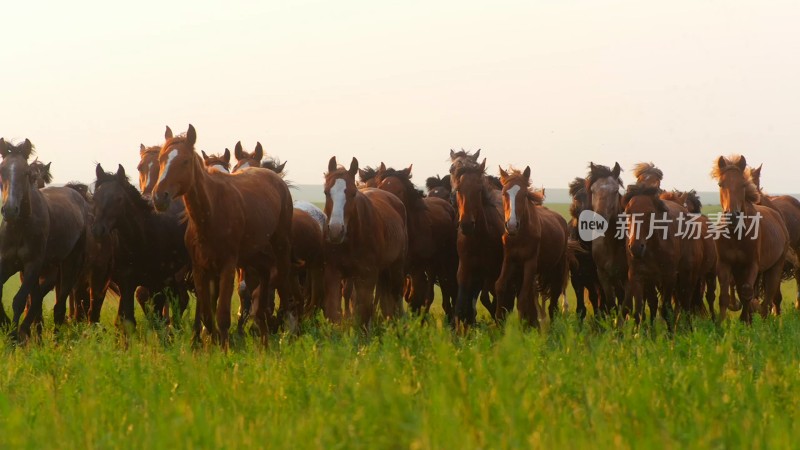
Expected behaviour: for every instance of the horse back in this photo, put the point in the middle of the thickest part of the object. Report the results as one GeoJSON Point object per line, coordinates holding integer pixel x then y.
{"type": "Point", "coordinates": [554, 235]}
{"type": "Point", "coordinates": [789, 207]}
{"type": "Point", "coordinates": [773, 237]}
{"type": "Point", "coordinates": [390, 230]}
{"type": "Point", "coordinates": [69, 219]}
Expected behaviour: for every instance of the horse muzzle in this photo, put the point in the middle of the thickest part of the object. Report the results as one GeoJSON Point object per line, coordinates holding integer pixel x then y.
{"type": "Point", "coordinates": [638, 249]}
{"type": "Point", "coordinates": [10, 212]}
{"type": "Point", "coordinates": [336, 233]}
{"type": "Point", "coordinates": [512, 228]}
{"type": "Point", "coordinates": [161, 201]}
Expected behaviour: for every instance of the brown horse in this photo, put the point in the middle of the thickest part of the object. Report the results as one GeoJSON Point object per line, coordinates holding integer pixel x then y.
{"type": "Point", "coordinates": [247, 159]}
{"type": "Point", "coordinates": [367, 177]}
{"type": "Point", "coordinates": [366, 241]}
{"type": "Point", "coordinates": [218, 162]}
{"type": "Point", "coordinates": [44, 235]}
{"type": "Point", "coordinates": [602, 189]}
{"type": "Point", "coordinates": [148, 168]}
{"type": "Point", "coordinates": [648, 175]}
{"type": "Point", "coordinates": [789, 207]}
{"type": "Point", "coordinates": [658, 255]}
{"type": "Point", "coordinates": [432, 228]}
{"type": "Point", "coordinates": [535, 244]}
{"type": "Point", "coordinates": [40, 173]}
{"type": "Point", "coordinates": [480, 240]}
{"type": "Point", "coordinates": [707, 280]}
{"type": "Point", "coordinates": [439, 187]}
{"type": "Point", "coordinates": [743, 257]}
{"type": "Point", "coordinates": [583, 273]}
{"type": "Point", "coordinates": [241, 220]}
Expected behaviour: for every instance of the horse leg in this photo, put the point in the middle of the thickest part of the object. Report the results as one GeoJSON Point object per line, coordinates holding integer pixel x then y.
{"type": "Point", "coordinates": [501, 289]}
{"type": "Point", "coordinates": [28, 287]}
{"type": "Point", "coordinates": [746, 288]}
{"type": "Point", "coordinates": [418, 289]}
{"type": "Point", "coordinates": [526, 303]}
{"type": "Point", "coordinates": [797, 284]}
{"type": "Point", "coordinates": [332, 307]}
{"type": "Point", "coordinates": [772, 287]}
{"type": "Point", "coordinates": [365, 288]}
{"type": "Point", "coordinates": [710, 290]}
{"type": "Point", "coordinates": [203, 294]}
{"type": "Point", "coordinates": [579, 288]}
{"type": "Point", "coordinates": [5, 274]}
{"type": "Point", "coordinates": [67, 279]}
{"type": "Point", "coordinates": [226, 283]}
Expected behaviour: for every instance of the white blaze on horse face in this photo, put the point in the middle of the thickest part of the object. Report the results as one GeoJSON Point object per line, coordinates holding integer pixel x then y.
{"type": "Point", "coordinates": [147, 174]}
{"type": "Point", "coordinates": [338, 197]}
{"type": "Point", "coordinates": [512, 205]}
{"type": "Point", "coordinates": [220, 168]}
{"type": "Point", "coordinates": [244, 166]}
{"type": "Point", "coordinates": [170, 158]}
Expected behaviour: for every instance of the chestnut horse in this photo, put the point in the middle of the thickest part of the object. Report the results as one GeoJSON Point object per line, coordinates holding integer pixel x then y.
{"type": "Point", "coordinates": [432, 253]}
{"type": "Point", "coordinates": [150, 250]}
{"type": "Point", "coordinates": [218, 162]}
{"type": "Point", "coordinates": [608, 251]}
{"type": "Point", "coordinates": [743, 257]}
{"type": "Point", "coordinates": [366, 177]}
{"type": "Point", "coordinates": [789, 207]}
{"type": "Point", "coordinates": [480, 241]}
{"type": "Point", "coordinates": [439, 187]}
{"type": "Point", "coordinates": [44, 235]}
{"type": "Point", "coordinates": [247, 159]}
{"type": "Point", "coordinates": [535, 244]}
{"type": "Point", "coordinates": [148, 168]}
{"type": "Point", "coordinates": [707, 280]}
{"type": "Point", "coordinates": [648, 175]}
{"type": "Point", "coordinates": [366, 241]}
{"type": "Point", "coordinates": [241, 220]}
{"type": "Point", "coordinates": [583, 273]}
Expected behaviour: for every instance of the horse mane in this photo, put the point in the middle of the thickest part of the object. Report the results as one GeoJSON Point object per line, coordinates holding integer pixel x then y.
{"type": "Point", "coordinates": [460, 154]}
{"type": "Point", "coordinates": [367, 173]}
{"type": "Point", "coordinates": [273, 164]}
{"type": "Point", "coordinates": [647, 168]}
{"type": "Point", "coordinates": [149, 150]}
{"type": "Point", "coordinates": [416, 194]}
{"type": "Point", "coordinates": [597, 172]}
{"type": "Point", "coordinates": [437, 181]}
{"type": "Point", "coordinates": [495, 181]}
{"type": "Point", "coordinates": [80, 188]}
{"type": "Point", "coordinates": [635, 190]}
{"type": "Point", "coordinates": [136, 197]}
{"type": "Point", "coordinates": [577, 186]}
{"type": "Point", "coordinates": [692, 202]}
{"type": "Point", "coordinates": [751, 191]}
{"type": "Point", "coordinates": [42, 171]}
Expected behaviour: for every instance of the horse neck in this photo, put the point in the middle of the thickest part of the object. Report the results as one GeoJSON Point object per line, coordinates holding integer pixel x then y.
{"type": "Point", "coordinates": [486, 213]}
{"type": "Point", "coordinates": [528, 216]}
{"type": "Point", "coordinates": [198, 200]}
{"type": "Point", "coordinates": [613, 223]}
{"type": "Point", "coordinates": [134, 229]}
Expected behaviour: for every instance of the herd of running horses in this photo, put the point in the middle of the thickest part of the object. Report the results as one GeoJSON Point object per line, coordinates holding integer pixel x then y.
{"type": "Point", "coordinates": [196, 224]}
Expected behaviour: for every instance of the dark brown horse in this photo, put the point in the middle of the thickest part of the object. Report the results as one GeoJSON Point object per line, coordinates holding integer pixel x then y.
{"type": "Point", "coordinates": [40, 173]}
{"type": "Point", "coordinates": [432, 228]}
{"type": "Point", "coordinates": [44, 235]}
{"type": "Point", "coordinates": [707, 280]}
{"type": "Point", "coordinates": [659, 256]}
{"type": "Point", "coordinates": [439, 187]}
{"type": "Point", "coordinates": [365, 241]}
{"type": "Point", "coordinates": [583, 273]}
{"type": "Point", "coordinates": [480, 240]}
{"type": "Point", "coordinates": [218, 162]}
{"type": "Point", "coordinates": [150, 249]}
{"type": "Point", "coordinates": [241, 220]}
{"type": "Point", "coordinates": [603, 190]}
{"type": "Point", "coordinates": [742, 255]}
{"type": "Point", "coordinates": [789, 207]}
{"type": "Point", "coordinates": [534, 245]}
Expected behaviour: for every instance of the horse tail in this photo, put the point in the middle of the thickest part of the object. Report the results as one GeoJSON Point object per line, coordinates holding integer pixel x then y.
{"type": "Point", "coordinates": [574, 248]}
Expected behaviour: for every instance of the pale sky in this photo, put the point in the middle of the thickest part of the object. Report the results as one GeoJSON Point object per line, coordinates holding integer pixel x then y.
{"type": "Point", "coordinates": [552, 84]}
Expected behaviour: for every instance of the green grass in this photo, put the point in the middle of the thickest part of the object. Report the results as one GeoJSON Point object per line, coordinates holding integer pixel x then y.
{"type": "Point", "coordinates": [408, 386]}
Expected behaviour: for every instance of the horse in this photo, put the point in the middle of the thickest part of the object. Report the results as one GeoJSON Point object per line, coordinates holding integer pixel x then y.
{"type": "Point", "coordinates": [608, 251]}
{"type": "Point", "coordinates": [439, 187]}
{"type": "Point", "coordinates": [148, 167]}
{"type": "Point", "coordinates": [480, 240]}
{"type": "Point", "coordinates": [648, 175]}
{"type": "Point", "coordinates": [218, 162]}
{"type": "Point", "coordinates": [743, 257]}
{"type": "Point", "coordinates": [366, 177]}
{"type": "Point", "coordinates": [659, 256]}
{"type": "Point", "coordinates": [234, 221]}
{"type": "Point", "coordinates": [535, 244]}
{"type": "Point", "coordinates": [44, 235]}
{"type": "Point", "coordinates": [707, 280]}
{"type": "Point", "coordinates": [150, 250]}
{"type": "Point", "coordinates": [432, 253]}
{"type": "Point", "coordinates": [583, 273]}
{"type": "Point", "coordinates": [789, 207]}
{"type": "Point", "coordinates": [366, 241]}
{"type": "Point", "coordinates": [40, 173]}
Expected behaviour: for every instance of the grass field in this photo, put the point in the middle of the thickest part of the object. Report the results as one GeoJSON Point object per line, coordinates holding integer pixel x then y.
{"type": "Point", "coordinates": [408, 386]}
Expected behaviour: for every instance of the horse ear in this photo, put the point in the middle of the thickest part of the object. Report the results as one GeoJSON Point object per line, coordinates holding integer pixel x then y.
{"type": "Point", "coordinates": [238, 151]}
{"type": "Point", "coordinates": [742, 163]}
{"type": "Point", "coordinates": [452, 154]}
{"type": "Point", "coordinates": [527, 173]}
{"type": "Point", "coordinates": [142, 149]}
{"type": "Point", "coordinates": [483, 165]}
{"type": "Point", "coordinates": [205, 157]}
{"type": "Point", "coordinates": [191, 135]}
{"type": "Point", "coordinates": [279, 169]}
{"type": "Point", "coordinates": [99, 172]}
{"type": "Point", "coordinates": [382, 168]}
{"type": "Point", "coordinates": [407, 171]}
{"type": "Point", "coordinates": [227, 156]}
{"type": "Point", "coordinates": [503, 175]}
{"type": "Point", "coordinates": [332, 165]}
{"type": "Point", "coordinates": [758, 170]}
{"type": "Point", "coordinates": [47, 166]}
{"type": "Point", "coordinates": [120, 172]}
{"type": "Point", "coordinates": [27, 148]}
{"type": "Point", "coordinates": [168, 133]}
{"type": "Point", "coordinates": [476, 155]}
{"type": "Point", "coordinates": [4, 148]}
{"type": "Point", "coordinates": [721, 163]}
{"type": "Point", "coordinates": [354, 167]}
{"type": "Point", "coordinates": [259, 153]}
